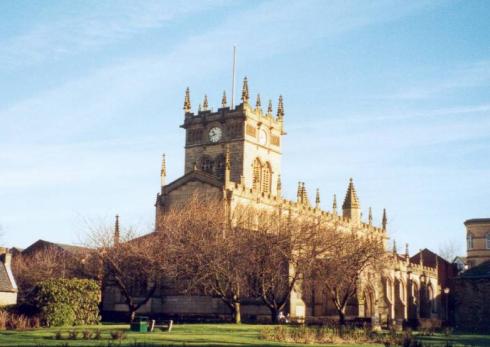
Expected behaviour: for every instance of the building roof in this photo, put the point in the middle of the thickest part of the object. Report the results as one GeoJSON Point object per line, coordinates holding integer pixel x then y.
{"type": "Point", "coordinates": [477, 221]}
{"type": "Point", "coordinates": [46, 244]}
{"type": "Point", "coordinates": [428, 258]}
{"type": "Point", "coordinates": [6, 279]}
{"type": "Point", "coordinates": [479, 271]}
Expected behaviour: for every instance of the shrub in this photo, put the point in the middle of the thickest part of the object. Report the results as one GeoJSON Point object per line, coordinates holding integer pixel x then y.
{"type": "Point", "coordinates": [14, 321]}
{"type": "Point", "coordinates": [58, 314]}
{"type": "Point", "coordinates": [58, 335]}
{"type": "Point", "coordinates": [118, 335]}
{"type": "Point", "coordinates": [73, 334]}
{"type": "Point", "coordinates": [97, 334]}
{"type": "Point", "coordinates": [87, 334]}
{"type": "Point", "coordinates": [67, 301]}
{"type": "Point", "coordinates": [3, 319]}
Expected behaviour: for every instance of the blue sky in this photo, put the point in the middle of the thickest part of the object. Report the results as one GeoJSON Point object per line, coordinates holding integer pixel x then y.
{"type": "Point", "coordinates": [392, 93]}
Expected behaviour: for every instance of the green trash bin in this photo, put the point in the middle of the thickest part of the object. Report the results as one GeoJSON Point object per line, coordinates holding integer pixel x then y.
{"type": "Point", "coordinates": [140, 324]}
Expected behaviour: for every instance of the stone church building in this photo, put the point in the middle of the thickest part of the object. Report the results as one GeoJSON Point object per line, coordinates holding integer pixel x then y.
{"type": "Point", "coordinates": [234, 153]}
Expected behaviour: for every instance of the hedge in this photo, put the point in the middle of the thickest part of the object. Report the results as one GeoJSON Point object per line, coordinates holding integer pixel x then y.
{"type": "Point", "coordinates": [68, 301]}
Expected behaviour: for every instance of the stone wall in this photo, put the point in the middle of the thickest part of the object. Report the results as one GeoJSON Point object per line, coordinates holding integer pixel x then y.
{"type": "Point", "coordinates": [7, 298]}
{"type": "Point", "coordinates": [472, 304]}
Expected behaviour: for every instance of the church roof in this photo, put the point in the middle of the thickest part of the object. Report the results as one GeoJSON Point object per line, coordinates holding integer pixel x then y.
{"type": "Point", "coordinates": [351, 200]}
{"type": "Point", "coordinates": [196, 175]}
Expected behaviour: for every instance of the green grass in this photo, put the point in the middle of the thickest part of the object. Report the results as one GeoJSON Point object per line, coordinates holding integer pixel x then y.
{"type": "Point", "coordinates": [192, 335]}
{"type": "Point", "coordinates": [456, 340]}
{"type": "Point", "coordinates": [181, 335]}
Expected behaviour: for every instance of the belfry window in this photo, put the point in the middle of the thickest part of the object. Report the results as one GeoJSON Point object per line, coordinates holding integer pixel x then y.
{"type": "Point", "coordinates": [487, 239]}
{"type": "Point", "coordinates": [469, 241]}
{"type": "Point", "coordinates": [207, 164]}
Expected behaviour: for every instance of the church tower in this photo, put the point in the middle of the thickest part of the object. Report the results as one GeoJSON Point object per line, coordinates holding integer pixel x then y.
{"type": "Point", "coordinates": [252, 135]}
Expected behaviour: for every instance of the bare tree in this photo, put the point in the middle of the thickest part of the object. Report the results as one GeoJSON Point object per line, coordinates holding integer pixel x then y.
{"type": "Point", "coordinates": [135, 265]}
{"type": "Point", "coordinates": [339, 267]}
{"type": "Point", "coordinates": [211, 256]}
{"type": "Point", "coordinates": [280, 253]}
{"type": "Point", "coordinates": [46, 263]}
{"type": "Point", "coordinates": [449, 250]}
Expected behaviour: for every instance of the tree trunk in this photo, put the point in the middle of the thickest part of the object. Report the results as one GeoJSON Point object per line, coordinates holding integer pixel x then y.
{"type": "Point", "coordinates": [237, 316]}
{"type": "Point", "coordinates": [274, 315]}
{"type": "Point", "coordinates": [341, 317]}
{"type": "Point", "coordinates": [132, 313]}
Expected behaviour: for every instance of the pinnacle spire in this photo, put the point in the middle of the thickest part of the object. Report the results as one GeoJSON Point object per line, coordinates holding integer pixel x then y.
{"type": "Point", "coordinates": [351, 201]}
{"type": "Point", "coordinates": [384, 220]}
{"type": "Point", "coordinates": [227, 164]}
{"type": "Point", "coordinates": [187, 101]}
{"type": "Point", "coordinates": [280, 108]}
{"type": "Point", "coordinates": [304, 194]}
{"type": "Point", "coordinates": [334, 204]}
{"type": "Point", "coordinates": [279, 185]}
{"type": "Point", "coordinates": [199, 109]}
{"type": "Point", "coordinates": [407, 254]}
{"type": "Point", "coordinates": [258, 103]}
{"type": "Point", "coordinates": [245, 95]}
{"type": "Point", "coordinates": [163, 171]}
{"type": "Point", "coordinates": [394, 247]}
{"type": "Point", "coordinates": [269, 107]}
{"type": "Point", "coordinates": [117, 233]}
{"type": "Point", "coordinates": [205, 103]}
{"type": "Point", "coordinates": [317, 198]}
{"type": "Point", "coordinates": [370, 216]}
{"type": "Point", "coordinates": [299, 192]}
{"type": "Point", "coordinates": [223, 100]}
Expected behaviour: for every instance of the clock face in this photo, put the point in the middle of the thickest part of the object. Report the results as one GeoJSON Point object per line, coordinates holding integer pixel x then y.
{"type": "Point", "coordinates": [215, 134]}
{"type": "Point", "coordinates": [262, 137]}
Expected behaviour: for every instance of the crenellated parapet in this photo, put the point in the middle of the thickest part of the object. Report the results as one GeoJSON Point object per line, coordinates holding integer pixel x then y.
{"type": "Point", "coordinates": [241, 191]}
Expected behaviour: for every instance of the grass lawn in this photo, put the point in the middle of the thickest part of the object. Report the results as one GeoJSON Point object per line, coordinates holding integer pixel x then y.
{"type": "Point", "coordinates": [456, 340]}
{"type": "Point", "coordinates": [191, 335]}
{"type": "Point", "coordinates": [181, 335]}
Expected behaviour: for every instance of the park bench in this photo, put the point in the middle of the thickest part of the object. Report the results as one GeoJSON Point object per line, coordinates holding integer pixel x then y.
{"type": "Point", "coordinates": [165, 326]}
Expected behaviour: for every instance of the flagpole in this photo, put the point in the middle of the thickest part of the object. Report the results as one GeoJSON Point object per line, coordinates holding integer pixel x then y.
{"type": "Point", "coordinates": [233, 79]}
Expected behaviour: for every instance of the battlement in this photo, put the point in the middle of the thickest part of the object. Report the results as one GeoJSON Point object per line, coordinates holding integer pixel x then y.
{"type": "Point", "coordinates": [242, 110]}
{"type": "Point", "coordinates": [299, 207]}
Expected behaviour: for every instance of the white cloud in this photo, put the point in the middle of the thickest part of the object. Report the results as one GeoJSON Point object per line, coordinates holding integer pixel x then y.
{"type": "Point", "coordinates": [94, 25]}
{"type": "Point", "coordinates": [460, 77]}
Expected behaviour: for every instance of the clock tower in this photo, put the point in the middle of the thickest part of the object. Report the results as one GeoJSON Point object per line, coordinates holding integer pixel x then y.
{"type": "Point", "coordinates": [252, 136]}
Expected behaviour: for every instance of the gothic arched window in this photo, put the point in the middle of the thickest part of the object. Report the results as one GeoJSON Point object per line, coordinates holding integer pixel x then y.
{"type": "Point", "coordinates": [207, 164]}
{"type": "Point", "coordinates": [266, 178]}
{"type": "Point", "coordinates": [487, 238]}
{"type": "Point", "coordinates": [432, 301]}
{"type": "Point", "coordinates": [469, 241]}
{"type": "Point", "coordinates": [257, 174]}
{"type": "Point", "coordinates": [220, 166]}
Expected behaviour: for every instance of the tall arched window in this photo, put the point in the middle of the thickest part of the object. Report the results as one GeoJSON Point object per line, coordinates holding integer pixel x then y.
{"type": "Point", "coordinates": [432, 301]}
{"type": "Point", "coordinates": [487, 238]}
{"type": "Point", "coordinates": [220, 166]}
{"type": "Point", "coordinates": [469, 241]}
{"type": "Point", "coordinates": [257, 174]}
{"type": "Point", "coordinates": [266, 178]}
